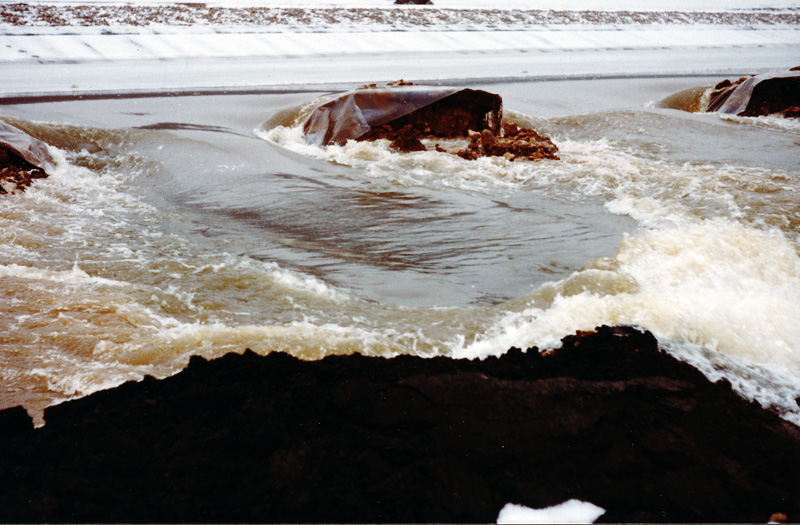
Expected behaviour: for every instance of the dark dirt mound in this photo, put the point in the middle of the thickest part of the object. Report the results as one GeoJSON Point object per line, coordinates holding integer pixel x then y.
{"type": "Point", "coordinates": [607, 418]}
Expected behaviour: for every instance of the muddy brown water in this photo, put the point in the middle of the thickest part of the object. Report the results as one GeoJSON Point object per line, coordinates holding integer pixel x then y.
{"type": "Point", "coordinates": [181, 225]}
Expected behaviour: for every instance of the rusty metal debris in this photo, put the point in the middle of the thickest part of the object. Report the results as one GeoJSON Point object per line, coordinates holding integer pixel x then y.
{"type": "Point", "coordinates": [376, 112]}
{"type": "Point", "coordinates": [753, 96]}
{"type": "Point", "coordinates": [407, 114]}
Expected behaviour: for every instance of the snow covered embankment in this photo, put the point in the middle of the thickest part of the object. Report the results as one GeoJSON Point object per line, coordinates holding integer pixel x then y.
{"type": "Point", "coordinates": [153, 47]}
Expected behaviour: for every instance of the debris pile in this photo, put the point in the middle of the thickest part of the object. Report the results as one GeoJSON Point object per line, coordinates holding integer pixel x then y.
{"type": "Point", "coordinates": [371, 112]}
{"type": "Point", "coordinates": [22, 159]}
{"type": "Point", "coordinates": [515, 144]}
{"type": "Point", "coordinates": [407, 114]}
{"type": "Point", "coordinates": [758, 95]}
{"type": "Point", "coordinates": [16, 174]}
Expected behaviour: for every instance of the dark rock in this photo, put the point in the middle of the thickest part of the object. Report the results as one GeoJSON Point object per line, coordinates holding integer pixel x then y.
{"type": "Point", "coordinates": [724, 84]}
{"type": "Point", "coordinates": [773, 96]}
{"type": "Point", "coordinates": [510, 128]}
{"type": "Point", "coordinates": [607, 418]}
{"type": "Point", "coordinates": [407, 141]}
{"type": "Point", "coordinates": [15, 173]}
{"type": "Point", "coordinates": [488, 139]}
{"type": "Point", "coordinates": [792, 112]}
{"type": "Point", "coordinates": [722, 91]}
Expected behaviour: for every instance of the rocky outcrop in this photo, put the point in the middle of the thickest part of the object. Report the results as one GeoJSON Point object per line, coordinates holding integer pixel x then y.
{"type": "Point", "coordinates": [607, 418]}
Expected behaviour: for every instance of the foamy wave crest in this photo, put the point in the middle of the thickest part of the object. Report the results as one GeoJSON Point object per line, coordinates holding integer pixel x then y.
{"type": "Point", "coordinates": [684, 283]}
{"type": "Point", "coordinates": [653, 192]}
{"type": "Point", "coordinates": [658, 193]}
{"type": "Point", "coordinates": [774, 387]}
{"type": "Point", "coordinates": [715, 285]}
{"type": "Point", "coordinates": [77, 379]}
{"type": "Point", "coordinates": [172, 346]}
{"type": "Point", "coordinates": [425, 168]}
{"type": "Point", "coordinates": [768, 121]}
{"type": "Point", "coordinates": [291, 138]}
{"type": "Point", "coordinates": [266, 278]}
{"type": "Point", "coordinates": [295, 282]}
{"type": "Point", "coordinates": [75, 276]}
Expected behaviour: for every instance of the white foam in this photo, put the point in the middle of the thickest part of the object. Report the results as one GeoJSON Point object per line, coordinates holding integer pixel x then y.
{"type": "Point", "coordinates": [655, 193]}
{"type": "Point", "coordinates": [270, 275]}
{"type": "Point", "coordinates": [295, 283]}
{"type": "Point", "coordinates": [727, 292]}
{"type": "Point", "coordinates": [767, 121]}
{"type": "Point", "coordinates": [715, 283]}
{"type": "Point", "coordinates": [74, 276]}
{"type": "Point", "coordinates": [572, 511]}
{"type": "Point", "coordinates": [425, 168]}
{"type": "Point", "coordinates": [172, 346]}
{"type": "Point", "coordinates": [772, 386]}
{"type": "Point", "coordinates": [72, 378]}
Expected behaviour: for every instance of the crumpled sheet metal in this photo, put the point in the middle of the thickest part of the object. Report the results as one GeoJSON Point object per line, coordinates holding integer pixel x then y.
{"type": "Point", "coordinates": [23, 145]}
{"type": "Point", "coordinates": [354, 113]}
{"type": "Point", "coordinates": [738, 97]}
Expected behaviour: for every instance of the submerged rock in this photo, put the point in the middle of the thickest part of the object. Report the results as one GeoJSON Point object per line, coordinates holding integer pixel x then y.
{"type": "Point", "coordinates": [407, 140]}
{"type": "Point", "coordinates": [607, 418]}
{"type": "Point", "coordinates": [22, 159]}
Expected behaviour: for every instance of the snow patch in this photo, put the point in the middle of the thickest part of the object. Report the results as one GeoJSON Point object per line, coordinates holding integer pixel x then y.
{"type": "Point", "coordinates": [572, 511]}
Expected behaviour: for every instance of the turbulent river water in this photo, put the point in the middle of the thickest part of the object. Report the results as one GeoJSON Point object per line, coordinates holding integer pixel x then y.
{"type": "Point", "coordinates": [183, 225]}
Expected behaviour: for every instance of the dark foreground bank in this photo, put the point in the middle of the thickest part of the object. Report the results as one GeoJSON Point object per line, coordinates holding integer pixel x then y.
{"type": "Point", "coordinates": [607, 418]}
